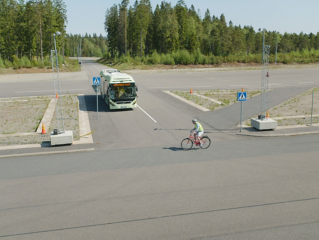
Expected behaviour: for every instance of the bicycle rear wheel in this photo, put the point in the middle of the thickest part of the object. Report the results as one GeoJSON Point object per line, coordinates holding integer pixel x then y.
{"type": "Point", "coordinates": [205, 142]}
{"type": "Point", "coordinates": [187, 144]}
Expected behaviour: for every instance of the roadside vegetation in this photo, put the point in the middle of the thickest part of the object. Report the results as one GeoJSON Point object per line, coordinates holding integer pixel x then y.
{"type": "Point", "coordinates": [183, 57]}
{"type": "Point", "coordinates": [25, 65]}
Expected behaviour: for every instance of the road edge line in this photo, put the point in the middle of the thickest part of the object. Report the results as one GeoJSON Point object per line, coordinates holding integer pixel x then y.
{"type": "Point", "coordinates": [47, 153]}
{"type": "Point", "coordinates": [187, 101]}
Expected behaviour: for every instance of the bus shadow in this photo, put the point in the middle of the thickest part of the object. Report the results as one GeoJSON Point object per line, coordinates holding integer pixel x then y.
{"type": "Point", "coordinates": [91, 103]}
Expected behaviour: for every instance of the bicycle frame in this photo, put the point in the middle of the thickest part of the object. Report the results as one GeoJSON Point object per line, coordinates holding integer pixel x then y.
{"type": "Point", "coordinates": [193, 139]}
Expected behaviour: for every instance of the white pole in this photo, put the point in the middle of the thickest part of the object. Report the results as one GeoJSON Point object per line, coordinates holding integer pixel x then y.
{"type": "Point", "coordinates": [241, 117]}
{"type": "Point", "coordinates": [313, 92]}
{"type": "Point", "coordinates": [97, 101]}
{"type": "Point", "coordinates": [276, 50]}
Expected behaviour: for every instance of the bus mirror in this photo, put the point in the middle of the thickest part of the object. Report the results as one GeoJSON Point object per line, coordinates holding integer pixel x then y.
{"type": "Point", "coordinates": [136, 88]}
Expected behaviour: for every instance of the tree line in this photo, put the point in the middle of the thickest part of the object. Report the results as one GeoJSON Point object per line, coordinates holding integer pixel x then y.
{"type": "Point", "coordinates": [139, 31]}
{"type": "Point", "coordinates": [27, 28]}
{"type": "Point", "coordinates": [91, 46]}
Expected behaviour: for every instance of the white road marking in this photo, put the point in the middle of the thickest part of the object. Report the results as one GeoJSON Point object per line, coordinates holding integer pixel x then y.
{"type": "Point", "coordinates": [304, 82]}
{"type": "Point", "coordinates": [96, 67]}
{"type": "Point", "coordinates": [146, 113]}
{"type": "Point", "coordinates": [184, 87]}
{"type": "Point", "coordinates": [275, 84]}
{"type": "Point", "coordinates": [52, 91]}
{"type": "Point", "coordinates": [86, 71]}
{"type": "Point", "coordinates": [187, 101]}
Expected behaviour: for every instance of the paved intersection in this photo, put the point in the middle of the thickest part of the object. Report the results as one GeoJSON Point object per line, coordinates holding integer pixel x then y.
{"type": "Point", "coordinates": [138, 184]}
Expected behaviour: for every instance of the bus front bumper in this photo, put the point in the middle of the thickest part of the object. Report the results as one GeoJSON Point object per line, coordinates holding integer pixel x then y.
{"type": "Point", "coordinates": [122, 105]}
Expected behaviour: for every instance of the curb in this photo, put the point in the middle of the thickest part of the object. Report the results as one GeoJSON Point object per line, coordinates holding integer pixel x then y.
{"type": "Point", "coordinates": [276, 135]}
{"type": "Point", "coordinates": [47, 153]}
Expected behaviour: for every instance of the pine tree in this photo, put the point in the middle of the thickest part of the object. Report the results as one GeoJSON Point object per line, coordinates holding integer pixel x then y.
{"type": "Point", "coordinates": [181, 13]}
{"type": "Point", "coordinates": [111, 27]}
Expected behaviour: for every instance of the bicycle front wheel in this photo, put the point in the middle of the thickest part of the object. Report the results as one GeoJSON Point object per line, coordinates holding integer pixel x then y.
{"type": "Point", "coordinates": [187, 144]}
{"type": "Point", "coordinates": [205, 142]}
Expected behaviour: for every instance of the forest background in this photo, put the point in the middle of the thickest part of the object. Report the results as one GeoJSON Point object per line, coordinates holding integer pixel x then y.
{"type": "Point", "coordinates": [137, 34]}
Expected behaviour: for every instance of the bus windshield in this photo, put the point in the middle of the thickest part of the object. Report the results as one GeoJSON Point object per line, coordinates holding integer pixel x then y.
{"type": "Point", "coordinates": [123, 90]}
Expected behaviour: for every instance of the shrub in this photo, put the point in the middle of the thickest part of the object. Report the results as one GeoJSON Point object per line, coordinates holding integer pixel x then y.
{"type": "Point", "coordinates": [198, 57]}
{"type": "Point", "coordinates": [26, 62]}
{"type": "Point", "coordinates": [167, 59]}
{"type": "Point", "coordinates": [22, 63]}
{"type": "Point", "coordinates": [145, 59]}
{"type": "Point", "coordinates": [286, 59]}
{"type": "Point", "coordinates": [1, 63]}
{"type": "Point", "coordinates": [205, 60]}
{"type": "Point", "coordinates": [8, 64]}
{"type": "Point", "coordinates": [47, 62]}
{"type": "Point", "coordinates": [34, 63]}
{"type": "Point", "coordinates": [124, 59]}
{"type": "Point", "coordinates": [184, 57]}
{"type": "Point", "coordinates": [271, 58]}
{"type": "Point", "coordinates": [216, 60]}
{"type": "Point", "coordinates": [60, 59]}
{"type": "Point", "coordinates": [137, 60]}
{"type": "Point", "coordinates": [257, 58]}
{"type": "Point", "coordinates": [213, 60]}
{"type": "Point", "coordinates": [16, 62]}
{"type": "Point", "coordinates": [155, 58]}
{"type": "Point", "coordinates": [40, 64]}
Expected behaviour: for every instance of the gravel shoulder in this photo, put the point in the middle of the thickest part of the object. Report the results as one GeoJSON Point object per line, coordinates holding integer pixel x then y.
{"type": "Point", "coordinates": [22, 117]}
{"type": "Point", "coordinates": [295, 111]}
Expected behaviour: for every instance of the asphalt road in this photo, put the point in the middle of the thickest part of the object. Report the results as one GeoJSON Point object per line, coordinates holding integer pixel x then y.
{"type": "Point", "coordinates": [138, 184]}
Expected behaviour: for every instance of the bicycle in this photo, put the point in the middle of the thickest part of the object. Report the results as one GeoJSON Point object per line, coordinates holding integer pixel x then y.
{"type": "Point", "coordinates": [187, 143]}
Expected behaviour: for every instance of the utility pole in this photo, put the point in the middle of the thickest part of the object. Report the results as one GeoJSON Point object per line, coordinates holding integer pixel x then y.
{"type": "Point", "coordinates": [264, 78]}
{"type": "Point", "coordinates": [57, 90]}
{"type": "Point", "coordinates": [125, 34]}
{"type": "Point", "coordinates": [276, 50]}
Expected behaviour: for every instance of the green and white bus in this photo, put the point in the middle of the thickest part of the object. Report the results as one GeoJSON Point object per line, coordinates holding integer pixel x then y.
{"type": "Point", "coordinates": [118, 89]}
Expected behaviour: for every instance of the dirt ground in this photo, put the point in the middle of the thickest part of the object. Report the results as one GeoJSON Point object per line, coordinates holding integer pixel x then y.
{"type": "Point", "coordinates": [227, 97]}
{"type": "Point", "coordinates": [296, 111]}
{"type": "Point", "coordinates": [20, 118]}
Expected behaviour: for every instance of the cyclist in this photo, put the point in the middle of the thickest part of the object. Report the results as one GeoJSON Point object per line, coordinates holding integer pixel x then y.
{"type": "Point", "coordinates": [199, 130]}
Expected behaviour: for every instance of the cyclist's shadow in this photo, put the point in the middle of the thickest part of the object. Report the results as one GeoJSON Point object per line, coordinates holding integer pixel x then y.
{"type": "Point", "coordinates": [175, 149]}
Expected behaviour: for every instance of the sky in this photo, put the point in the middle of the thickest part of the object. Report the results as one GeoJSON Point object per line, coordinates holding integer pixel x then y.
{"type": "Point", "coordinates": [291, 16]}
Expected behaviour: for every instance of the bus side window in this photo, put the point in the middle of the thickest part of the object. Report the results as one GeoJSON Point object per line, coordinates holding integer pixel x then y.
{"type": "Point", "coordinates": [106, 87]}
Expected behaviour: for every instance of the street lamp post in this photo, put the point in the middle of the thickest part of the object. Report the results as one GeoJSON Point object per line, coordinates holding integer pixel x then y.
{"type": "Point", "coordinates": [57, 90]}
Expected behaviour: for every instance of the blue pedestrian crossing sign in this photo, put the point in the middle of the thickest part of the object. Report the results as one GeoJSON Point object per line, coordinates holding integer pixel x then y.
{"type": "Point", "coordinates": [241, 96]}
{"type": "Point", "coordinates": [96, 81]}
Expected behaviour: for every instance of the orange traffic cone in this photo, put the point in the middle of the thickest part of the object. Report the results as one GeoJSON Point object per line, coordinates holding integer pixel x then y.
{"type": "Point", "coordinates": [191, 90]}
{"type": "Point", "coordinates": [56, 95]}
{"type": "Point", "coordinates": [267, 115]}
{"type": "Point", "coordinates": [43, 129]}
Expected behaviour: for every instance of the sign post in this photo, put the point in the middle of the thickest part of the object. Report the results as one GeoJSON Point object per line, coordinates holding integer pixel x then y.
{"type": "Point", "coordinates": [242, 97]}
{"type": "Point", "coordinates": [97, 84]}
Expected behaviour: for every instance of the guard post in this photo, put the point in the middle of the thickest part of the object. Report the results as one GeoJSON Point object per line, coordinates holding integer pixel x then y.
{"type": "Point", "coordinates": [242, 97]}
